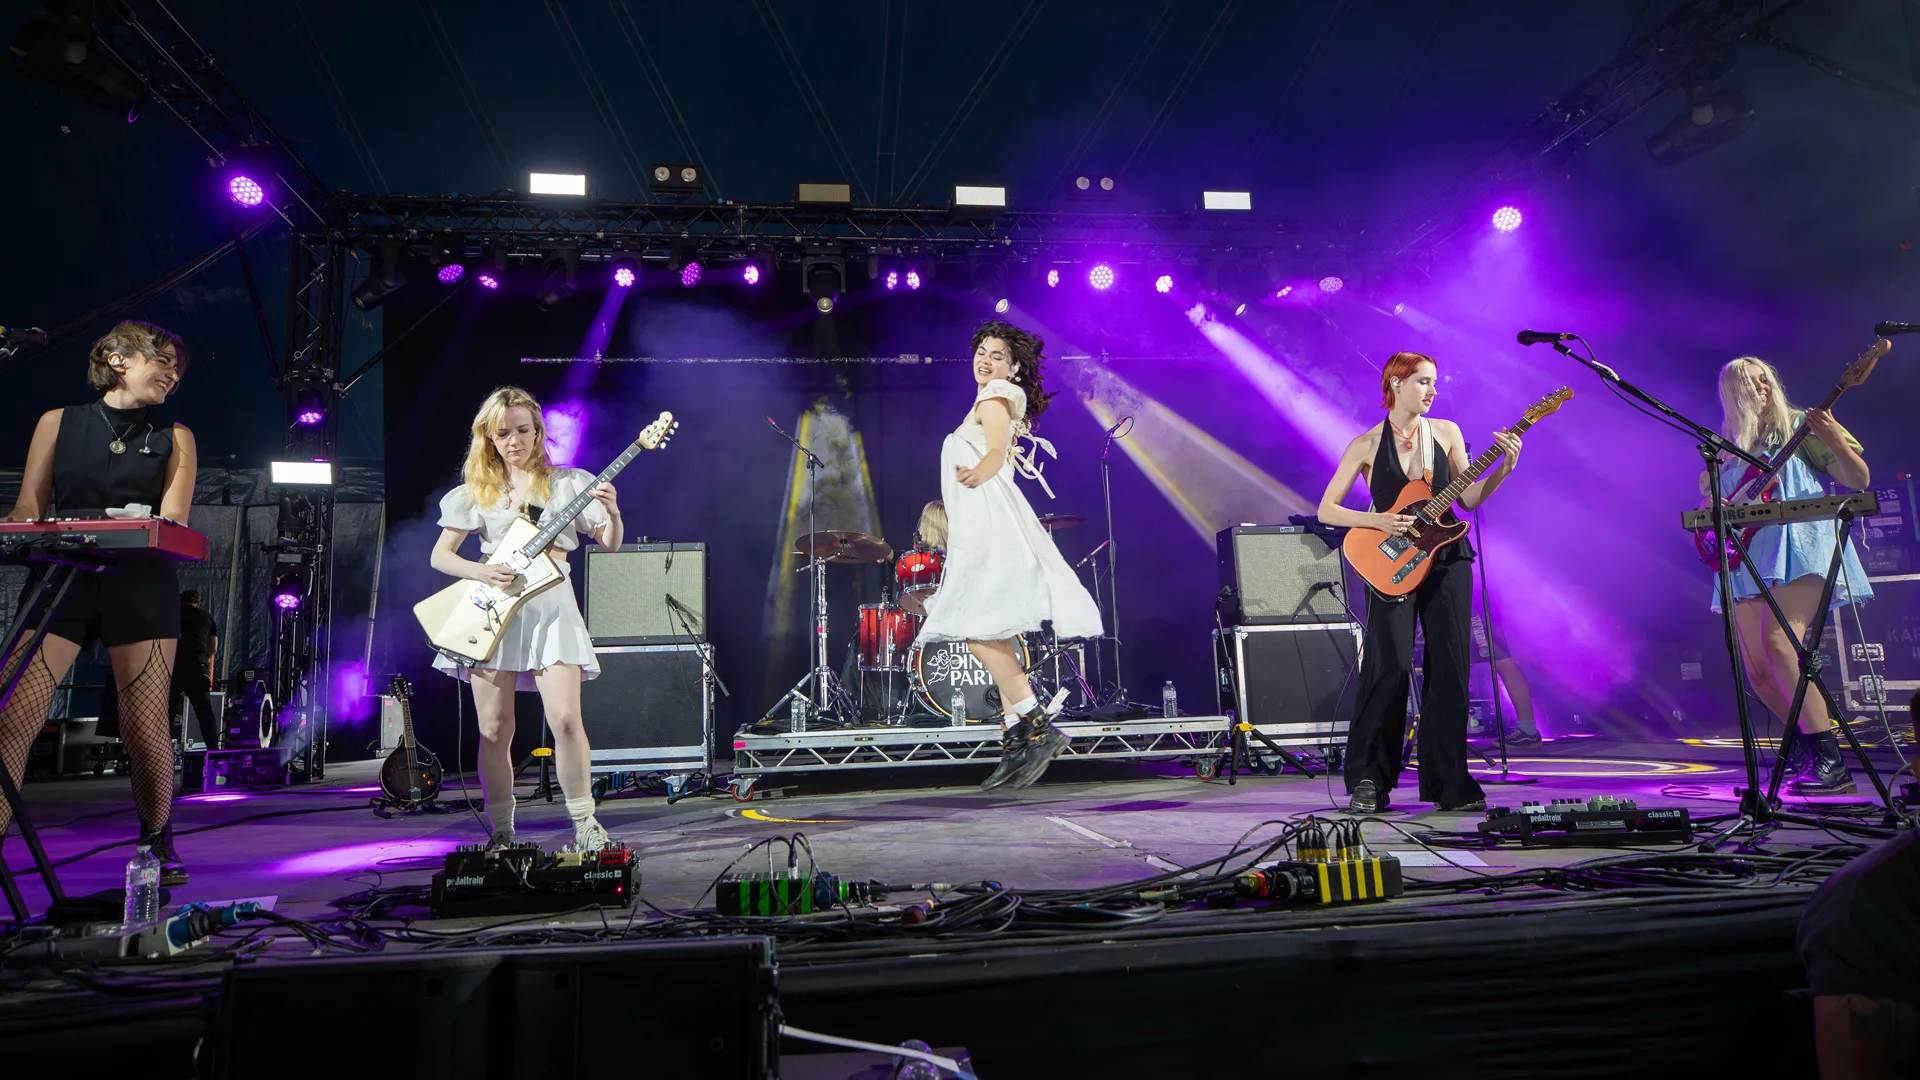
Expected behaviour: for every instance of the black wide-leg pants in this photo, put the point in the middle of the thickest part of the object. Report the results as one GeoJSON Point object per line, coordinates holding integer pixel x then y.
{"type": "Point", "coordinates": [1444, 605]}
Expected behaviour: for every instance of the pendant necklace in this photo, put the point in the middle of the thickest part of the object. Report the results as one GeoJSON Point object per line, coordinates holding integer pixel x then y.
{"type": "Point", "coordinates": [1405, 437]}
{"type": "Point", "coordinates": [119, 443]}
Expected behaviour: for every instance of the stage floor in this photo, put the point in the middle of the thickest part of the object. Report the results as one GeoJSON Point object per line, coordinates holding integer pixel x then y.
{"type": "Point", "coordinates": [1088, 823]}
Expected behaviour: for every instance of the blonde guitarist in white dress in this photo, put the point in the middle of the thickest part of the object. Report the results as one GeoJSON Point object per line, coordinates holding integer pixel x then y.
{"type": "Point", "coordinates": [546, 646]}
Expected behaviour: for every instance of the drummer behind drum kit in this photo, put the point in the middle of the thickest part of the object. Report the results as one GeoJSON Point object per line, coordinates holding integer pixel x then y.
{"type": "Point", "coordinates": [885, 644]}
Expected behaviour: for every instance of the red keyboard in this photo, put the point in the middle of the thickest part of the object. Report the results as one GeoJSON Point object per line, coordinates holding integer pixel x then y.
{"type": "Point", "coordinates": [101, 538]}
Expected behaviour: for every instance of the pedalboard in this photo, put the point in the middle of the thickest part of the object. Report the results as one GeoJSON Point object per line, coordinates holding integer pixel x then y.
{"type": "Point", "coordinates": [1599, 822]}
{"type": "Point", "coordinates": [791, 894]}
{"type": "Point", "coordinates": [524, 880]}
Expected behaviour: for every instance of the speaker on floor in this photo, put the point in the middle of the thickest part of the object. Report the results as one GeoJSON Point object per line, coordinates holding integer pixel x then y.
{"type": "Point", "coordinates": [1281, 574]}
{"type": "Point", "coordinates": [1295, 683]}
{"type": "Point", "coordinates": [647, 594]}
{"type": "Point", "coordinates": [650, 708]}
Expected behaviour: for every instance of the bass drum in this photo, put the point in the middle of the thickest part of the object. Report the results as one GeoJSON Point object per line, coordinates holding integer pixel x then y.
{"type": "Point", "coordinates": [941, 666]}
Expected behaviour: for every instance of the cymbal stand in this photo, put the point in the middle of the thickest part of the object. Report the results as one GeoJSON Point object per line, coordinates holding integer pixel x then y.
{"type": "Point", "coordinates": [827, 695]}
{"type": "Point", "coordinates": [1119, 430]}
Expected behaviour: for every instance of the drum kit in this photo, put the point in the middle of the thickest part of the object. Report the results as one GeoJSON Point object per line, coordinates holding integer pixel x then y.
{"type": "Point", "coordinates": [885, 645]}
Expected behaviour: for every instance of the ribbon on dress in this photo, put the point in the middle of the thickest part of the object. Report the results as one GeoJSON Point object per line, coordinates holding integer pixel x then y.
{"type": "Point", "coordinates": [1027, 463]}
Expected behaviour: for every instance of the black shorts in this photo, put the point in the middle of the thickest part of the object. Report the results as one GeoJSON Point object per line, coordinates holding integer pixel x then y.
{"type": "Point", "coordinates": [137, 601]}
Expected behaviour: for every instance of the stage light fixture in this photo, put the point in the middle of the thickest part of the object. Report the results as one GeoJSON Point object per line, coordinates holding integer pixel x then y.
{"type": "Point", "coordinates": [1241, 310]}
{"type": "Point", "coordinates": [967, 195]}
{"type": "Point", "coordinates": [309, 406]}
{"type": "Point", "coordinates": [62, 55]}
{"type": "Point", "coordinates": [245, 191]}
{"type": "Point", "coordinates": [288, 592]}
{"type": "Point", "coordinates": [830, 194]}
{"type": "Point", "coordinates": [892, 281]}
{"type": "Point", "coordinates": [1161, 284]}
{"type": "Point", "coordinates": [302, 473]}
{"type": "Point", "coordinates": [1506, 219]}
{"type": "Point", "coordinates": [1226, 200]}
{"type": "Point", "coordinates": [1000, 306]}
{"type": "Point", "coordinates": [1100, 277]}
{"type": "Point", "coordinates": [1090, 185]}
{"type": "Point", "coordinates": [690, 274]}
{"type": "Point", "coordinates": [674, 179]}
{"type": "Point", "coordinates": [451, 273]}
{"type": "Point", "coordinates": [913, 280]}
{"type": "Point", "coordinates": [1053, 278]}
{"type": "Point", "coordinates": [1282, 294]}
{"type": "Point", "coordinates": [990, 281]}
{"type": "Point", "coordinates": [1712, 116]}
{"type": "Point", "coordinates": [560, 282]}
{"type": "Point", "coordinates": [541, 183]}
{"type": "Point", "coordinates": [487, 280]}
{"type": "Point", "coordinates": [383, 282]}
{"type": "Point", "coordinates": [750, 273]}
{"type": "Point", "coordinates": [625, 271]}
{"type": "Point", "coordinates": [1331, 284]}
{"type": "Point", "coordinates": [824, 276]}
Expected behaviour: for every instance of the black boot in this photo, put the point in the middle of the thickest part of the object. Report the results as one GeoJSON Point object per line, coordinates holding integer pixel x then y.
{"type": "Point", "coordinates": [173, 870]}
{"type": "Point", "coordinates": [1826, 772]}
{"type": "Point", "coordinates": [1013, 750]}
{"type": "Point", "coordinates": [1047, 742]}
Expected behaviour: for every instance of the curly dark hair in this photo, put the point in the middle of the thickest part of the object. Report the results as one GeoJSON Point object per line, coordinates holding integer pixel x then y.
{"type": "Point", "coordinates": [1028, 351]}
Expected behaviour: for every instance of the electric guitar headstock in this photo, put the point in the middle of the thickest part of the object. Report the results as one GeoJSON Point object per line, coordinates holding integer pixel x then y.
{"type": "Point", "coordinates": [1548, 405]}
{"type": "Point", "coordinates": [655, 435]}
{"type": "Point", "coordinates": [1862, 366]}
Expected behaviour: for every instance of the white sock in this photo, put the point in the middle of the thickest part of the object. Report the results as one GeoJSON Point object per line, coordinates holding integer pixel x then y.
{"type": "Point", "coordinates": [1025, 705]}
{"type": "Point", "coordinates": [1007, 720]}
{"type": "Point", "coordinates": [581, 809]}
{"type": "Point", "coordinates": [500, 813]}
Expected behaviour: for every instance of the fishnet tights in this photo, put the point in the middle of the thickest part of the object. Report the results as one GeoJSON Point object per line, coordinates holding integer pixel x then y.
{"type": "Point", "coordinates": [21, 721]}
{"type": "Point", "coordinates": [147, 731]}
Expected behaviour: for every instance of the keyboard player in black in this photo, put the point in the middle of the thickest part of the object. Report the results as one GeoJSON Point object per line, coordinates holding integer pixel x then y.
{"type": "Point", "coordinates": [111, 453]}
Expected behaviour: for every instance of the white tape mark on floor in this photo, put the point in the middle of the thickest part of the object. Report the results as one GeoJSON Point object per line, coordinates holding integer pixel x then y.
{"type": "Point", "coordinates": [1154, 861]}
{"type": "Point", "coordinates": [1434, 858]}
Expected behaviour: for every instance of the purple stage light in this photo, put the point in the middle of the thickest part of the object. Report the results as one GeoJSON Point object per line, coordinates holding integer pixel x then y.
{"type": "Point", "coordinates": [286, 601]}
{"type": "Point", "coordinates": [750, 274]}
{"type": "Point", "coordinates": [488, 281]}
{"type": "Point", "coordinates": [1161, 284]}
{"type": "Point", "coordinates": [1506, 219]}
{"type": "Point", "coordinates": [1101, 277]}
{"type": "Point", "coordinates": [1331, 284]}
{"type": "Point", "coordinates": [310, 417]}
{"type": "Point", "coordinates": [913, 279]}
{"type": "Point", "coordinates": [893, 280]}
{"type": "Point", "coordinates": [1053, 278]}
{"type": "Point", "coordinates": [451, 273]}
{"type": "Point", "coordinates": [690, 274]}
{"type": "Point", "coordinates": [1284, 290]}
{"type": "Point", "coordinates": [246, 191]}
{"type": "Point", "coordinates": [623, 276]}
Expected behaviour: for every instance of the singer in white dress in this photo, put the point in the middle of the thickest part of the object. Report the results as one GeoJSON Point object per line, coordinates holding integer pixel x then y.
{"type": "Point", "coordinates": [1004, 577]}
{"type": "Point", "coordinates": [546, 647]}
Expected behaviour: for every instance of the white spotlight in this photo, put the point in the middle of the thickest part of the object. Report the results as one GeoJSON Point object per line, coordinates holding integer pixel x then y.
{"type": "Point", "coordinates": [545, 183]}
{"type": "Point", "coordinates": [965, 195]}
{"type": "Point", "coordinates": [311, 473]}
{"type": "Point", "coordinates": [1227, 200]}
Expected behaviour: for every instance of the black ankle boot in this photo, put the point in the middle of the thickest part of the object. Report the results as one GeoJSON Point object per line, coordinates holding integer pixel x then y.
{"type": "Point", "coordinates": [1013, 750]}
{"type": "Point", "coordinates": [173, 870]}
{"type": "Point", "coordinates": [1046, 743]}
{"type": "Point", "coordinates": [1826, 772]}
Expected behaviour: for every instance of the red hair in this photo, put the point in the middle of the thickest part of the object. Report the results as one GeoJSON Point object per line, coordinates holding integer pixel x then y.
{"type": "Point", "coordinates": [1399, 366]}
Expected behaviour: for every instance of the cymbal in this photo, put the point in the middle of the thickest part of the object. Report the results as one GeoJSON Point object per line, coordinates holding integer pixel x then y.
{"type": "Point", "coordinates": [1060, 521]}
{"type": "Point", "coordinates": [841, 545]}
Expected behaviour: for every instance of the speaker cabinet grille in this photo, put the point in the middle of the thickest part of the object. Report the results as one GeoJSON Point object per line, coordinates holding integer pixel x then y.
{"type": "Point", "coordinates": [627, 590]}
{"type": "Point", "coordinates": [1294, 683]}
{"type": "Point", "coordinates": [1278, 574]}
{"type": "Point", "coordinates": [649, 708]}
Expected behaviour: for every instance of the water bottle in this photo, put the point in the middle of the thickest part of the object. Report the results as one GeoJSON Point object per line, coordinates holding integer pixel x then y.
{"type": "Point", "coordinates": [796, 713]}
{"type": "Point", "coordinates": [143, 889]}
{"type": "Point", "coordinates": [957, 708]}
{"type": "Point", "coordinates": [1169, 701]}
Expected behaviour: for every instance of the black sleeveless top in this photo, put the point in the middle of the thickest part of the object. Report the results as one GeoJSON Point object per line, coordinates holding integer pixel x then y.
{"type": "Point", "coordinates": [1387, 479]}
{"type": "Point", "coordinates": [88, 477]}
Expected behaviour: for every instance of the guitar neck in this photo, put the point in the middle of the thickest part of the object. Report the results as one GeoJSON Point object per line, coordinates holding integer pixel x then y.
{"type": "Point", "coordinates": [1447, 496]}
{"type": "Point", "coordinates": [1785, 454]}
{"type": "Point", "coordinates": [561, 518]}
{"type": "Point", "coordinates": [406, 723]}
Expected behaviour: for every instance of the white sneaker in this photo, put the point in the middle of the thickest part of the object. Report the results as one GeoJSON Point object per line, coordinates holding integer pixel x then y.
{"type": "Point", "coordinates": [500, 840]}
{"type": "Point", "coordinates": [590, 835]}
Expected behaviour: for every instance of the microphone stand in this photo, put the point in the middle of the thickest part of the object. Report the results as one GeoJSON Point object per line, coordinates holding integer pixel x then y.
{"type": "Point", "coordinates": [1119, 430]}
{"type": "Point", "coordinates": [820, 677]}
{"type": "Point", "coordinates": [1493, 660]}
{"type": "Point", "coordinates": [1756, 817]}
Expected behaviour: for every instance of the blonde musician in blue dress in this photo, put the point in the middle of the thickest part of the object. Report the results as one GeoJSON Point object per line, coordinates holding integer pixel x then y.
{"type": "Point", "coordinates": [1793, 559]}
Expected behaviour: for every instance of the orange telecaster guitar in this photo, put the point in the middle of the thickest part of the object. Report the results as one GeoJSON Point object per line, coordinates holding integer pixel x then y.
{"type": "Point", "coordinates": [1396, 565]}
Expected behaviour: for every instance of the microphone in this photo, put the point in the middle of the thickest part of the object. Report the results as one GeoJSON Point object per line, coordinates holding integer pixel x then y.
{"type": "Point", "coordinates": [1535, 337]}
{"type": "Point", "coordinates": [21, 336]}
{"type": "Point", "coordinates": [1883, 329]}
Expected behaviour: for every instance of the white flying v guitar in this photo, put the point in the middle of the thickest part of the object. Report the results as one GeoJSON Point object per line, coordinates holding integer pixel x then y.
{"type": "Point", "coordinates": [465, 619]}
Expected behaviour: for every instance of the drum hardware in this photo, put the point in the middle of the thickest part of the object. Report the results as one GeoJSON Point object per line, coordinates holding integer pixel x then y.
{"type": "Point", "coordinates": [1060, 653]}
{"type": "Point", "coordinates": [918, 573]}
{"type": "Point", "coordinates": [1051, 522]}
{"type": "Point", "coordinates": [830, 699]}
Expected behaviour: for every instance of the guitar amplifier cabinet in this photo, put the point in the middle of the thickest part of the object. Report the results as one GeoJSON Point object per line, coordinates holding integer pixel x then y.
{"type": "Point", "coordinates": [1281, 575]}
{"type": "Point", "coordinates": [627, 591]}
{"type": "Point", "coordinates": [1880, 667]}
{"type": "Point", "coordinates": [1295, 683]}
{"type": "Point", "coordinates": [650, 709]}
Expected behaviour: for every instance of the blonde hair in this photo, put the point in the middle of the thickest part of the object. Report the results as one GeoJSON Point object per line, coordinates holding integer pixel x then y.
{"type": "Point", "coordinates": [1741, 419]}
{"type": "Point", "coordinates": [130, 339]}
{"type": "Point", "coordinates": [933, 525]}
{"type": "Point", "coordinates": [486, 471]}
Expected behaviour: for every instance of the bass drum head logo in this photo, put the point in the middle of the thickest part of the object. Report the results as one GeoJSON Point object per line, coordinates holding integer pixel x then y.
{"type": "Point", "coordinates": [943, 665]}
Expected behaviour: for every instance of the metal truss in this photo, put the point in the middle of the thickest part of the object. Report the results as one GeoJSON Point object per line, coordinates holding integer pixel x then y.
{"type": "Point", "coordinates": [1651, 66]}
{"type": "Point", "coordinates": [792, 230]}
{"type": "Point", "coordinates": [893, 748]}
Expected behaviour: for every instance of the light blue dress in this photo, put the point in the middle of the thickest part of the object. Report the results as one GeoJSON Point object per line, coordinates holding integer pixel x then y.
{"type": "Point", "coordinates": [1784, 553]}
